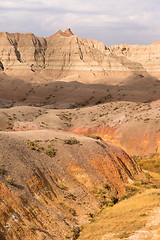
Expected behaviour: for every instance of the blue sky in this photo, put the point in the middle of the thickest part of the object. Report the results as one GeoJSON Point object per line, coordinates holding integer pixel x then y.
{"type": "Point", "coordinates": [108, 21]}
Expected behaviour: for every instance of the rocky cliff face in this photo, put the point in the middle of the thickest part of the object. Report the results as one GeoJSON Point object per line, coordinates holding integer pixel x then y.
{"type": "Point", "coordinates": [61, 51]}
{"type": "Point", "coordinates": [22, 51]}
{"type": "Point", "coordinates": [139, 58]}
{"type": "Point", "coordinates": [65, 53]}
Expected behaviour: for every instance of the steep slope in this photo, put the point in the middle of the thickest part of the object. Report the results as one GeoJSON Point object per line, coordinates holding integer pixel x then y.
{"type": "Point", "coordinates": [64, 54]}
{"type": "Point", "coordinates": [139, 58]}
{"type": "Point", "coordinates": [50, 181]}
{"type": "Point", "coordinates": [60, 52]}
{"type": "Point", "coordinates": [21, 51]}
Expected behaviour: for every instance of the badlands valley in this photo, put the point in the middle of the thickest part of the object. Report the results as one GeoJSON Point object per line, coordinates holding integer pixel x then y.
{"type": "Point", "coordinates": [79, 139]}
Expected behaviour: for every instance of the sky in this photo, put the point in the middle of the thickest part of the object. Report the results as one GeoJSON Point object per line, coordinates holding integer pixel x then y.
{"type": "Point", "coordinates": [108, 21]}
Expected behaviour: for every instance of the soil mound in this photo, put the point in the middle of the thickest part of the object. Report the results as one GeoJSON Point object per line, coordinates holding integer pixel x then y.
{"type": "Point", "coordinates": [50, 181]}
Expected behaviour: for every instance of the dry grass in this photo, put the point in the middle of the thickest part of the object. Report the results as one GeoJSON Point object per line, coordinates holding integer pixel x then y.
{"type": "Point", "coordinates": [151, 163]}
{"type": "Point", "coordinates": [126, 217]}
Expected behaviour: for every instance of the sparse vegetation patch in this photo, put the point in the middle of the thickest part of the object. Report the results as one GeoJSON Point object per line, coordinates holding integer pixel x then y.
{"type": "Point", "coordinates": [50, 151]}
{"type": "Point", "coordinates": [151, 163]}
{"type": "Point", "coordinates": [34, 146]}
{"type": "Point", "coordinates": [9, 179]}
{"type": "Point", "coordinates": [71, 141]}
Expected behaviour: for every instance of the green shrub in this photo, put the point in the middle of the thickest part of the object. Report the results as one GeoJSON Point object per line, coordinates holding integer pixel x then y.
{"type": "Point", "coordinates": [72, 211]}
{"type": "Point", "coordinates": [99, 193]}
{"type": "Point", "coordinates": [106, 186]}
{"type": "Point", "coordinates": [110, 204]}
{"type": "Point", "coordinates": [68, 208]}
{"type": "Point", "coordinates": [130, 191]}
{"type": "Point", "coordinates": [123, 235]}
{"type": "Point", "coordinates": [62, 186]}
{"type": "Point", "coordinates": [50, 151]}
{"type": "Point", "coordinates": [71, 196]}
{"type": "Point", "coordinates": [34, 146]}
{"type": "Point", "coordinates": [76, 232]}
{"type": "Point", "coordinates": [143, 215]}
{"type": "Point", "coordinates": [9, 179]}
{"type": "Point", "coordinates": [148, 176]}
{"type": "Point", "coordinates": [123, 197]}
{"type": "Point", "coordinates": [136, 158]}
{"type": "Point", "coordinates": [1, 171]}
{"type": "Point", "coordinates": [10, 125]}
{"type": "Point", "coordinates": [71, 141]}
{"type": "Point", "coordinates": [137, 184]}
{"type": "Point", "coordinates": [67, 237]}
{"type": "Point", "coordinates": [91, 215]}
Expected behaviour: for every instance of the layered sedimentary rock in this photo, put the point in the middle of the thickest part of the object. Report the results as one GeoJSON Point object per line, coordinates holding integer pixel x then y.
{"type": "Point", "coordinates": [65, 53]}
{"type": "Point", "coordinates": [21, 51]}
{"type": "Point", "coordinates": [139, 58]}
{"type": "Point", "coordinates": [62, 51]}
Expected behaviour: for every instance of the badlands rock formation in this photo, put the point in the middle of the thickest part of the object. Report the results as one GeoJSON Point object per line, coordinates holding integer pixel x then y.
{"type": "Point", "coordinates": [61, 51]}
{"type": "Point", "coordinates": [52, 73]}
{"type": "Point", "coordinates": [65, 53]}
{"type": "Point", "coordinates": [51, 181]}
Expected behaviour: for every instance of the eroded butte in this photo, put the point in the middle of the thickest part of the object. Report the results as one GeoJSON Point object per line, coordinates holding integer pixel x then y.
{"type": "Point", "coordinates": [67, 107]}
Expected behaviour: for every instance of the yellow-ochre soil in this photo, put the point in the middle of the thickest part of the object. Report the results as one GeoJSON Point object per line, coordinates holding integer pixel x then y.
{"type": "Point", "coordinates": [136, 218]}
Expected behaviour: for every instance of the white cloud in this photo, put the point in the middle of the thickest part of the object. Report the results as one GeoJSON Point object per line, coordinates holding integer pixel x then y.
{"type": "Point", "coordinates": [129, 18]}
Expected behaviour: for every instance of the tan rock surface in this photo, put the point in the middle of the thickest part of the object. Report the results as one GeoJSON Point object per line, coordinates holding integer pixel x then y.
{"type": "Point", "coordinates": [64, 54]}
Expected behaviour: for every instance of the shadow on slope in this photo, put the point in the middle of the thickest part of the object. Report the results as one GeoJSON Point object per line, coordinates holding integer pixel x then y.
{"type": "Point", "coordinates": [60, 94]}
